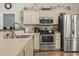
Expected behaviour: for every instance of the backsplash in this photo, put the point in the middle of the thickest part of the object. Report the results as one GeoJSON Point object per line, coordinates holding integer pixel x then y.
{"type": "Point", "coordinates": [30, 29]}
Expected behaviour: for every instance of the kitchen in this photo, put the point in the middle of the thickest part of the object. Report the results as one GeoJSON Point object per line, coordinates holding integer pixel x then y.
{"type": "Point", "coordinates": [29, 29]}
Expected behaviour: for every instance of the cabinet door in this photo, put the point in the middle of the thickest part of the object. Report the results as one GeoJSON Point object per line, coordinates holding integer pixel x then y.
{"type": "Point", "coordinates": [26, 17]}
{"type": "Point", "coordinates": [30, 17]}
{"type": "Point", "coordinates": [55, 20]}
{"type": "Point", "coordinates": [31, 47]}
{"type": "Point", "coordinates": [26, 48]}
{"type": "Point", "coordinates": [49, 14]}
{"type": "Point", "coordinates": [58, 43]}
{"type": "Point", "coordinates": [42, 13]}
{"type": "Point", "coordinates": [36, 42]}
{"type": "Point", "coordinates": [20, 53]}
{"type": "Point", "coordinates": [28, 53]}
{"type": "Point", "coordinates": [35, 17]}
{"type": "Point", "coordinates": [46, 14]}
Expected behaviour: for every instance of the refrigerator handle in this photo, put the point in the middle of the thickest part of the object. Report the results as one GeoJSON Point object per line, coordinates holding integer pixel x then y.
{"type": "Point", "coordinates": [73, 26]}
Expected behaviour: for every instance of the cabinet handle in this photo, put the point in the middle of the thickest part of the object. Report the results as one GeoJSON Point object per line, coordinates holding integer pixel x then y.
{"type": "Point", "coordinates": [23, 52]}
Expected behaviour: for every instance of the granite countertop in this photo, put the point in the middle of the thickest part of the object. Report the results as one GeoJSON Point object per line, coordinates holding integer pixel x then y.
{"type": "Point", "coordinates": [11, 47]}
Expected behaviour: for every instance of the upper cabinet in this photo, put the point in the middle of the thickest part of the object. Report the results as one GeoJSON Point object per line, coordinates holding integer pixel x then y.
{"type": "Point", "coordinates": [45, 13]}
{"type": "Point", "coordinates": [30, 17]}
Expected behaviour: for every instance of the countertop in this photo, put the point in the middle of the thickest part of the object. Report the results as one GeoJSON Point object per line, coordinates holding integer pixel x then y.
{"type": "Point", "coordinates": [11, 47]}
{"type": "Point", "coordinates": [31, 33]}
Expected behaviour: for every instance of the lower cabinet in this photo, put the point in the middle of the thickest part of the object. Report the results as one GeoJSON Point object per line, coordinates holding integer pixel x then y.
{"type": "Point", "coordinates": [27, 49]}
{"type": "Point", "coordinates": [21, 53]}
{"type": "Point", "coordinates": [58, 44]}
{"type": "Point", "coordinates": [28, 53]}
{"type": "Point", "coordinates": [57, 41]}
{"type": "Point", "coordinates": [36, 42]}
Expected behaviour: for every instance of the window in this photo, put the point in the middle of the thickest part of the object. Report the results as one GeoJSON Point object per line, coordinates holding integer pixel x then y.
{"type": "Point", "coordinates": [8, 20]}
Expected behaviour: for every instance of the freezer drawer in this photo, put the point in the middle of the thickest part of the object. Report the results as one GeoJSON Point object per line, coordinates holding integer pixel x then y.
{"type": "Point", "coordinates": [77, 45]}
{"type": "Point", "coordinates": [67, 46]}
{"type": "Point", "coordinates": [71, 45]}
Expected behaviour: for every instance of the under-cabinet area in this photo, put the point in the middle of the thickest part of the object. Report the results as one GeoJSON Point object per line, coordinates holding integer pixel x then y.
{"type": "Point", "coordinates": [39, 29]}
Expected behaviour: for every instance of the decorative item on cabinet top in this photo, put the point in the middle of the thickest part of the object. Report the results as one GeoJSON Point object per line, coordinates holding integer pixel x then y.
{"type": "Point", "coordinates": [8, 5]}
{"type": "Point", "coordinates": [35, 7]}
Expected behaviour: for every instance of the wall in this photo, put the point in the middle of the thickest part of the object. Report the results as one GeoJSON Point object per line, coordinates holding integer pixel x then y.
{"type": "Point", "coordinates": [18, 7]}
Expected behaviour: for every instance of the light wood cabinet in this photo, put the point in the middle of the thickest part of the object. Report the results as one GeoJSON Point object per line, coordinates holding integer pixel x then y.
{"type": "Point", "coordinates": [30, 17]}
{"type": "Point", "coordinates": [49, 13]}
{"type": "Point", "coordinates": [55, 19]}
{"type": "Point", "coordinates": [31, 47]}
{"type": "Point", "coordinates": [46, 13]}
{"type": "Point", "coordinates": [36, 42]}
{"type": "Point", "coordinates": [28, 53]}
{"type": "Point", "coordinates": [27, 49]}
{"type": "Point", "coordinates": [57, 41]}
{"type": "Point", "coordinates": [20, 53]}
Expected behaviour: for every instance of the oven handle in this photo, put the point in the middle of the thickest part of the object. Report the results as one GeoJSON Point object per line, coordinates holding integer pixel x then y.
{"type": "Point", "coordinates": [47, 35]}
{"type": "Point", "coordinates": [42, 36]}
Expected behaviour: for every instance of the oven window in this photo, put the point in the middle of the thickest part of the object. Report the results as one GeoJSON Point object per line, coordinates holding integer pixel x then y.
{"type": "Point", "coordinates": [47, 38]}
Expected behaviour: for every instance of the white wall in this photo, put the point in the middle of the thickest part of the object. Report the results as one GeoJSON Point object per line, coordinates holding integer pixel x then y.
{"type": "Point", "coordinates": [18, 7]}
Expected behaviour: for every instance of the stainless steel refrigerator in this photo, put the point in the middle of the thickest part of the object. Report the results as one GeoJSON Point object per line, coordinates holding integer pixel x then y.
{"type": "Point", "coordinates": [71, 32]}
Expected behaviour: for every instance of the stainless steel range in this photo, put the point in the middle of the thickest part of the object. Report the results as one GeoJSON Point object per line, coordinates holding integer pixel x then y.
{"type": "Point", "coordinates": [47, 36]}
{"type": "Point", "coordinates": [47, 42]}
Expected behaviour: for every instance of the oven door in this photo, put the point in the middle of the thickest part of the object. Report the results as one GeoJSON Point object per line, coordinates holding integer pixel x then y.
{"type": "Point", "coordinates": [47, 39]}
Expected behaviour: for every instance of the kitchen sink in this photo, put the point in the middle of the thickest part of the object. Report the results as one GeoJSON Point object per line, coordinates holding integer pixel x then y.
{"type": "Point", "coordinates": [19, 36]}
{"type": "Point", "coordinates": [22, 36]}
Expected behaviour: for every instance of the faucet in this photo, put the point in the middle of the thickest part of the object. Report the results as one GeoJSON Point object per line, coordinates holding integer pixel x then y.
{"type": "Point", "coordinates": [20, 27]}
{"type": "Point", "coordinates": [17, 24]}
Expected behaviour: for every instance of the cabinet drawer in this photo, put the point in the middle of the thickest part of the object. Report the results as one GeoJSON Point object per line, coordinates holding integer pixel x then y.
{"type": "Point", "coordinates": [57, 34]}
{"type": "Point", "coordinates": [57, 38]}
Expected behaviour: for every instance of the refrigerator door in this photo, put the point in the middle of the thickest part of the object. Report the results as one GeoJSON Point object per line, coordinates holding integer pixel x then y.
{"type": "Point", "coordinates": [67, 31]}
{"type": "Point", "coordinates": [71, 34]}
{"type": "Point", "coordinates": [74, 36]}
{"type": "Point", "coordinates": [76, 17]}
{"type": "Point", "coordinates": [67, 26]}
{"type": "Point", "coordinates": [70, 37]}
